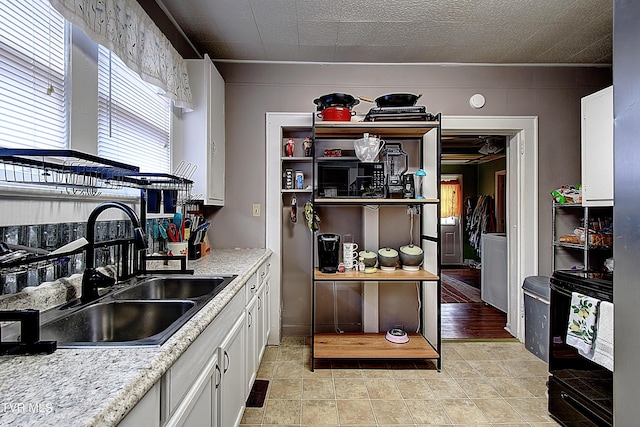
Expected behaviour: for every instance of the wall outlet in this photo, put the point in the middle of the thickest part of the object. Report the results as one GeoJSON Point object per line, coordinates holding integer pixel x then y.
{"type": "Point", "coordinates": [256, 209]}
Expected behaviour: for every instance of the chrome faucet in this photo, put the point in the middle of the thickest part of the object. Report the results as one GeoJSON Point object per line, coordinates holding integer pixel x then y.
{"type": "Point", "coordinates": [91, 278]}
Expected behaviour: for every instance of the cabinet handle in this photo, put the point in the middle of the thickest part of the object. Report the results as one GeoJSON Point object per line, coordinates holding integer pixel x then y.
{"type": "Point", "coordinates": [226, 361]}
{"type": "Point", "coordinates": [250, 319]}
{"type": "Point", "coordinates": [218, 376]}
{"type": "Point", "coordinates": [213, 148]}
{"type": "Point", "coordinates": [259, 303]}
{"type": "Point", "coordinates": [253, 287]}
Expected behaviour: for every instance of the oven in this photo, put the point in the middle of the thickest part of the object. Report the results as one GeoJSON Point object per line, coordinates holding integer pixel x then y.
{"type": "Point", "coordinates": [580, 391]}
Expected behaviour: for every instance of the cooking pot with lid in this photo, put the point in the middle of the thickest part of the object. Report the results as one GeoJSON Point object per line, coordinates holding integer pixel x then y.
{"type": "Point", "coordinates": [411, 257]}
{"type": "Point", "coordinates": [336, 114]}
{"type": "Point", "coordinates": [395, 100]}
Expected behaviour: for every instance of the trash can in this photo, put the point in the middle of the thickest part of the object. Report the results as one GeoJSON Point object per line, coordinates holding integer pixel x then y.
{"type": "Point", "coordinates": [536, 315]}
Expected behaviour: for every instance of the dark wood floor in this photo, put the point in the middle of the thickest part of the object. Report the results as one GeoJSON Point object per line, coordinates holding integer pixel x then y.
{"type": "Point", "coordinates": [472, 320]}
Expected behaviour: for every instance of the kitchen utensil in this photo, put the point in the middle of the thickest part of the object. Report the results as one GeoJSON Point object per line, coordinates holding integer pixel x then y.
{"type": "Point", "coordinates": [387, 259]}
{"type": "Point", "coordinates": [408, 186]}
{"type": "Point", "coordinates": [411, 257]}
{"type": "Point", "coordinates": [369, 258]}
{"type": "Point", "coordinates": [397, 100]}
{"type": "Point", "coordinates": [177, 220]}
{"type": "Point", "coordinates": [396, 163]}
{"type": "Point", "coordinates": [337, 114]}
{"type": "Point", "coordinates": [368, 147]}
{"type": "Point", "coordinates": [335, 100]}
{"type": "Point", "coordinates": [397, 336]}
{"type": "Point", "coordinates": [328, 252]}
{"type": "Point", "coordinates": [173, 233]}
{"type": "Point", "coordinates": [294, 209]}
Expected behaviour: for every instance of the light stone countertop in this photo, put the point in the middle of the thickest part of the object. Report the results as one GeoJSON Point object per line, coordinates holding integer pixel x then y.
{"type": "Point", "coordinates": [98, 386]}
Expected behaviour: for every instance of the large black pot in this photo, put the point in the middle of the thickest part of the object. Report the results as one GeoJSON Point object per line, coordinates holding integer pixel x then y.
{"type": "Point", "coordinates": [335, 100]}
{"type": "Point", "coordinates": [397, 100]}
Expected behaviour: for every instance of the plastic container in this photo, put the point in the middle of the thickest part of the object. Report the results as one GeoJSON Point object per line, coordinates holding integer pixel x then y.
{"type": "Point", "coordinates": [536, 315]}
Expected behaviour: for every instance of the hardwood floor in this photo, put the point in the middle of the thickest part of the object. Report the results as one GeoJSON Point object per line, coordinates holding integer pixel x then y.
{"type": "Point", "coordinates": [472, 321]}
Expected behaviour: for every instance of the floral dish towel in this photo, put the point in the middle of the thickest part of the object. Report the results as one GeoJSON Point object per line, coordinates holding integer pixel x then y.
{"type": "Point", "coordinates": [582, 322]}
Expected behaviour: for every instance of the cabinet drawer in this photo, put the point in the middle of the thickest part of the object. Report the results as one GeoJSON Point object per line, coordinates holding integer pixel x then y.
{"type": "Point", "coordinates": [183, 373]}
{"type": "Point", "coordinates": [252, 285]}
{"type": "Point", "coordinates": [263, 271]}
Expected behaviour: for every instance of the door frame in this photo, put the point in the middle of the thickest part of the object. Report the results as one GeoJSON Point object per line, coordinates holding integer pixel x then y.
{"type": "Point", "coordinates": [522, 201]}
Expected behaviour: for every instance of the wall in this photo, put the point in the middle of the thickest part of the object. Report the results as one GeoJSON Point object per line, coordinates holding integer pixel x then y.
{"type": "Point", "coordinates": [626, 247]}
{"type": "Point", "coordinates": [551, 93]}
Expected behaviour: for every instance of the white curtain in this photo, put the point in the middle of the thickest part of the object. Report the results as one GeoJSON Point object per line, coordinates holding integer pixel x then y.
{"type": "Point", "coordinates": [123, 27]}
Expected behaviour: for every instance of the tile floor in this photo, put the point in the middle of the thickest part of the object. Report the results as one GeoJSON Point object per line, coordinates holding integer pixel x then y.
{"type": "Point", "coordinates": [483, 384]}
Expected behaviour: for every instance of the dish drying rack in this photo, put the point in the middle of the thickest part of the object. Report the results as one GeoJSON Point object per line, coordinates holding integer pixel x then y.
{"type": "Point", "coordinates": [81, 174]}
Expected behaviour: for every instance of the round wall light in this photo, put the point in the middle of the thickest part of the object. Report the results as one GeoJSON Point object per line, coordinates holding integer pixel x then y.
{"type": "Point", "coordinates": [477, 101]}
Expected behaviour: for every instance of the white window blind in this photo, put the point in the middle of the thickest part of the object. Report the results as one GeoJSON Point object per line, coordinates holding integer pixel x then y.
{"type": "Point", "coordinates": [32, 75]}
{"type": "Point", "coordinates": [133, 118]}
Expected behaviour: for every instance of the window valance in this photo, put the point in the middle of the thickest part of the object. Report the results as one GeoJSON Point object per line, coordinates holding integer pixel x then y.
{"type": "Point", "coordinates": [123, 27]}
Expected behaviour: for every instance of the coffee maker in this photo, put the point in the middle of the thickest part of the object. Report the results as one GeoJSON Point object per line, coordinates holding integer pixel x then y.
{"type": "Point", "coordinates": [328, 252]}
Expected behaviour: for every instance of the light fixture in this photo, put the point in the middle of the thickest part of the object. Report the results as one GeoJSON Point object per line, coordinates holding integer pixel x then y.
{"type": "Point", "coordinates": [490, 147]}
{"type": "Point", "coordinates": [477, 101]}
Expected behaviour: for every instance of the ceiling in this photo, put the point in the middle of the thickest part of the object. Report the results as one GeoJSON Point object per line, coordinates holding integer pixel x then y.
{"type": "Point", "coordinates": [399, 31]}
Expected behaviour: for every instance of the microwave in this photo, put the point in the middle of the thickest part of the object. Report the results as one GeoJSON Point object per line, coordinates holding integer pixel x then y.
{"type": "Point", "coordinates": [350, 178]}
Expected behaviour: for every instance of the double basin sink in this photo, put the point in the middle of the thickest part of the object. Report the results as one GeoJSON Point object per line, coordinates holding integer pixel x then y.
{"type": "Point", "coordinates": [143, 314]}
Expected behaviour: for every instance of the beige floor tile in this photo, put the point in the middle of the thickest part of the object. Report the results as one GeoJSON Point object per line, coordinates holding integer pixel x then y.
{"type": "Point", "coordinates": [282, 411]}
{"type": "Point", "coordinates": [270, 353]}
{"type": "Point", "coordinates": [355, 412]}
{"type": "Point", "coordinates": [427, 412]}
{"type": "Point", "coordinates": [294, 354]}
{"type": "Point", "coordinates": [446, 388]}
{"type": "Point", "coordinates": [391, 412]}
{"type": "Point", "coordinates": [532, 409]}
{"type": "Point", "coordinates": [477, 388]}
{"type": "Point", "coordinates": [350, 388]}
{"type": "Point", "coordinates": [287, 369]}
{"type": "Point", "coordinates": [319, 372]}
{"type": "Point", "coordinates": [489, 368]}
{"type": "Point", "coordinates": [509, 387]}
{"type": "Point", "coordinates": [318, 388]}
{"type": "Point", "coordinates": [472, 351]}
{"type": "Point", "coordinates": [463, 411]}
{"type": "Point", "coordinates": [377, 373]}
{"type": "Point", "coordinates": [414, 389]}
{"type": "Point", "coordinates": [285, 388]}
{"type": "Point", "coordinates": [347, 373]}
{"type": "Point", "coordinates": [523, 368]}
{"type": "Point", "coordinates": [265, 371]}
{"type": "Point", "coordinates": [461, 369]}
{"type": "Point", "coordinates": [252, 416]}
{"type": "Point", "coordinates": [498, 411]}
{"type": "Point", "coordinates": [381, 388]}
{"type": "Point", "coordinates": [319, 412]}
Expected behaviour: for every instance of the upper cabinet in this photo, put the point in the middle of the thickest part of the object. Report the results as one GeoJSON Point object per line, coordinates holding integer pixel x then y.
{"type": "Point", "coordinates": [201, 147]}
{"type": "Point", "coordinates": [597, 148]}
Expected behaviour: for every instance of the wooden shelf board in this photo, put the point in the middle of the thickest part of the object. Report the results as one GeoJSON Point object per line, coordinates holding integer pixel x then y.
{"type": "Point", "coordinates": [385, 129]}
{"type": "Point", "coordinates": [379, 276]}
{"type": "Point", "coordinates": [370, 346]}
{"type": "Point", "coordinates": [296, 159]}
{"type": "Point", "coordinates": [298, 190]}
{"type": "Point", "coordinates": [357, 201]}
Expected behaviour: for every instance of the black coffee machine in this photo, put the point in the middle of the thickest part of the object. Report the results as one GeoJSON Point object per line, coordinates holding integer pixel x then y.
{"type": "Point", "coordinates": [328, 252]}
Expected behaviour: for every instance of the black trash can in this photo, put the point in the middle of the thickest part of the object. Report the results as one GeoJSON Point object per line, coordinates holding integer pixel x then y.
{"type": "Point", "coordinates": [536, 315]}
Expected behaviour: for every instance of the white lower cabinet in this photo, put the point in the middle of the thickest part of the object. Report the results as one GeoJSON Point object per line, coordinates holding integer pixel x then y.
{"type": "Point", "coordinates": [233, 388]}
{"type": "Point", "coordinates": [209, 384]}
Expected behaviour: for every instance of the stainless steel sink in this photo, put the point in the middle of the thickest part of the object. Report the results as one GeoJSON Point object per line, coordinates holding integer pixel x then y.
{"type": "Point", "coordinates": [144, 314]}
{"type": "Point", "coordinates": [184, 287]}
{"type": "Point", "coordinates": [119, 323]}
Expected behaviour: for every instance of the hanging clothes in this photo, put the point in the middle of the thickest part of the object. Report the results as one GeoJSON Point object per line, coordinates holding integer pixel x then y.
{"type": "Point", "coordinates": [481, 220]}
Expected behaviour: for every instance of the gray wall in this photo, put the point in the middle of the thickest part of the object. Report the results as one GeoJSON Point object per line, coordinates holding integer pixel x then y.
{"type": "Point", "coordinates": [551, 93]}
{"type": "Point", "coordinates": [626, 247]}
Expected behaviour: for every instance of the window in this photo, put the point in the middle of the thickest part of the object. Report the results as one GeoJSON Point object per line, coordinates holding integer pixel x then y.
{"type": "Point", "coordinates": [32, 75]}
{"type": "Point", "coordinates": [450, 199]}
{"type": "Point", "coordinates": [133, 118]}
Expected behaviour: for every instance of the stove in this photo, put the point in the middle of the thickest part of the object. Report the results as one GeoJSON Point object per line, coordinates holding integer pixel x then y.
{"type": "Point", "coordinates": [413, 112]}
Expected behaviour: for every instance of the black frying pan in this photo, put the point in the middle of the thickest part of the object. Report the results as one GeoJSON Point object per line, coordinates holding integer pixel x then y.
{"type": "Point", "coordinates": [335, 100]}
{"type": "Point", "coordinates": [395, 100]}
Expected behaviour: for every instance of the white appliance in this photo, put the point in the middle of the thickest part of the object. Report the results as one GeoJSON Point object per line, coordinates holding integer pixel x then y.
{"type": "Point", "coordinates": [493, 276]}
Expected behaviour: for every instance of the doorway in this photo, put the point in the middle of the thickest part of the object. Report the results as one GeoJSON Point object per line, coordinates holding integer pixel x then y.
{"type": "Point", "coordinates": [521, 201]}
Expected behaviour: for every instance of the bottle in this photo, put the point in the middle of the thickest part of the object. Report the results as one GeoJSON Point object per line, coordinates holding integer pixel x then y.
{"type": "Point", "coordinates": [361, 266]}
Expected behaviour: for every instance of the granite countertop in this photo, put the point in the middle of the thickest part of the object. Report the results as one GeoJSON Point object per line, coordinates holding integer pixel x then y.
{"type": "Point", "coordinates": [98, 386]}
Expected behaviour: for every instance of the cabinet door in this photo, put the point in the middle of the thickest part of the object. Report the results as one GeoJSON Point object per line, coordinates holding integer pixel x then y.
{"type": "Point", "coordinates": [202, 143]}
{"type": "Point", "coordinates": [597, 148]}
{"type": "Point", "coordinates": [233, 388]}
{"type": "Point", "coordinates": [216, 140]}
{"type": "Point", "coordinates": [200, 405]}
{"type": "Point", "coordinates": [253, 330]}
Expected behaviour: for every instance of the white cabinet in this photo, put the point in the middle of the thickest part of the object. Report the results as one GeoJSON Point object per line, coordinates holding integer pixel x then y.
{"type": "Point", "coordinates": [233, 388]}
{"type": "Point", "coordinates": [253, 353]}
{"type": "Point", "coordinates": [597, 148]}
{"type": "Point", "coordinates": [203, 132]}
{"type": "Point", "coordinates": [146, 412]}
{"type": "Point", "coordinates": [493, 276]}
